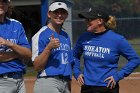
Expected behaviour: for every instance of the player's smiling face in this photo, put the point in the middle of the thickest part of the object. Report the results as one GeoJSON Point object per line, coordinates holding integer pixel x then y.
{"type": "Point", "coordinates": [3, 6]}
{"type": "Point", "coordinates": [58, 16]}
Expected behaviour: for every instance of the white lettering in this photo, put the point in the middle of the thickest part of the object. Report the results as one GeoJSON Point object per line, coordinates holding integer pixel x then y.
{"type": "Point", "coordinates": [96, 51]}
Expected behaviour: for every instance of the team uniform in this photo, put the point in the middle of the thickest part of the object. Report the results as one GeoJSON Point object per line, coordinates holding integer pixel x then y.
{"type": "Point", "coordinates": [101, 53]}
{"type": "Point", "coordinates": [11, 72]}
{"type": "Point", "coordinates": [57, 71]}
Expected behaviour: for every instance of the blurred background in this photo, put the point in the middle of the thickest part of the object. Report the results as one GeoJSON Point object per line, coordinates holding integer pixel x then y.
{"type": "Point", "coordinates": [30, 14]}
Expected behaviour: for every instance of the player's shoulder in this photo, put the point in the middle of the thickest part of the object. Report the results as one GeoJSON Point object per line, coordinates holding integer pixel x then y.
{"type": "Point", "coordinates": [14, 21]}
{"type": "Point", "coordinates": [113, 37]}
{"type": "Point", "coordinates": [43, 29]}
{"type": "Point", "coordinates": [113, 34]}
{"type": "Point", "coordinates": [84, 37]}
{"type": "Point", "coordinates": [85, 34]}
{"type": "Point", "coordinates": [64, 33]}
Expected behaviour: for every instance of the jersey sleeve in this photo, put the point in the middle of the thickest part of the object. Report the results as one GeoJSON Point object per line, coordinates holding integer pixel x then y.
{"type": "Point", "coordinates": [77, 52]}
{"type": "Point", "coordinates": [22, 39]}
{"type": "Point", "coordinates": [126, 50]}
{"type": "Point", "coordinates": [39, 42]}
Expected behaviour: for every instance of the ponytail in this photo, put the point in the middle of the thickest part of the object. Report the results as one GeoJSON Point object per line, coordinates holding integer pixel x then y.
{"type": "Point", "coordinates": [111, 23]}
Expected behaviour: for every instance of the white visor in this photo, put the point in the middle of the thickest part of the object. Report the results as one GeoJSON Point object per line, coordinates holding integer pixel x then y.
{"type": "Point", "coordinates": [56, 5]}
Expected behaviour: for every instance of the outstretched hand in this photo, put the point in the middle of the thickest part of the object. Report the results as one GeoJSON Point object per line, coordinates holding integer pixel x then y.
{"type": "Point", "coordinates": [111, 82]}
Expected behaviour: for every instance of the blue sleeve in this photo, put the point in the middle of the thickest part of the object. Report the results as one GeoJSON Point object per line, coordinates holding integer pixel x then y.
{"type": "Point", "coordinates": [23, 41]}
{"type": "Point", "coordinates": [128, 52]}
{"type": "Point", "coordinates": [77, 52]}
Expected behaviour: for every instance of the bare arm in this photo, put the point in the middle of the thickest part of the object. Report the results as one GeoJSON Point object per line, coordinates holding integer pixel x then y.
{"type": "Point", "coordinates": [23, 52]}
{"type": "Point", "coordinates": [18, 51]}
{"type": "Point", "coordinates": [41, 60]}
{"type": "Point", "coordinates": [7, 56]}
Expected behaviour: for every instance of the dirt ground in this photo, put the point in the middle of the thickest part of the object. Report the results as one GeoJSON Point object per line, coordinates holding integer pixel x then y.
{"type": "Point", "coordinates": [130, 84]}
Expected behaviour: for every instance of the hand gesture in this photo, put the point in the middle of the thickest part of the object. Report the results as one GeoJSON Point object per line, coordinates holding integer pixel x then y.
{"type": "Point", "coordinates": [80, 79]}
{"type": "Point", "coordinates": [5, 42]}
{"type": "Point", "coordinates": [54, 43]}
{"type": "Point", "coordinates": [111, 82]}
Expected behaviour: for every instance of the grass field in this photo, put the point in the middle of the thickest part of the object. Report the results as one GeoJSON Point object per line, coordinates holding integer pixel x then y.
{"type": "Point", "coordinates": [136, 45]}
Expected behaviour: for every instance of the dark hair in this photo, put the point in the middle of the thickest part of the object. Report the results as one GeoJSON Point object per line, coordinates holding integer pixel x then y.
{"type": "Point", "coordinates": [9, 11]}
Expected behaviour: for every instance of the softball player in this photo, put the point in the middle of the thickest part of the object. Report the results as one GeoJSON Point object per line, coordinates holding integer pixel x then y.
{"type": "Point", "coordinates": [51, 53]}
{"type": "Point", "coordinates": [101, 48]}
{"type": "Point", "coordinates": [14, 47]}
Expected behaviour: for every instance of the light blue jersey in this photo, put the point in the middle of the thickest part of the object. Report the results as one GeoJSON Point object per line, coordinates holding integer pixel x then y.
{"type": "Point", "coordinates": [13, 31]}
{"type": "Point", "coordinates": [59, 62]}
{"type": "Point", "coordinates": [101, 53]}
